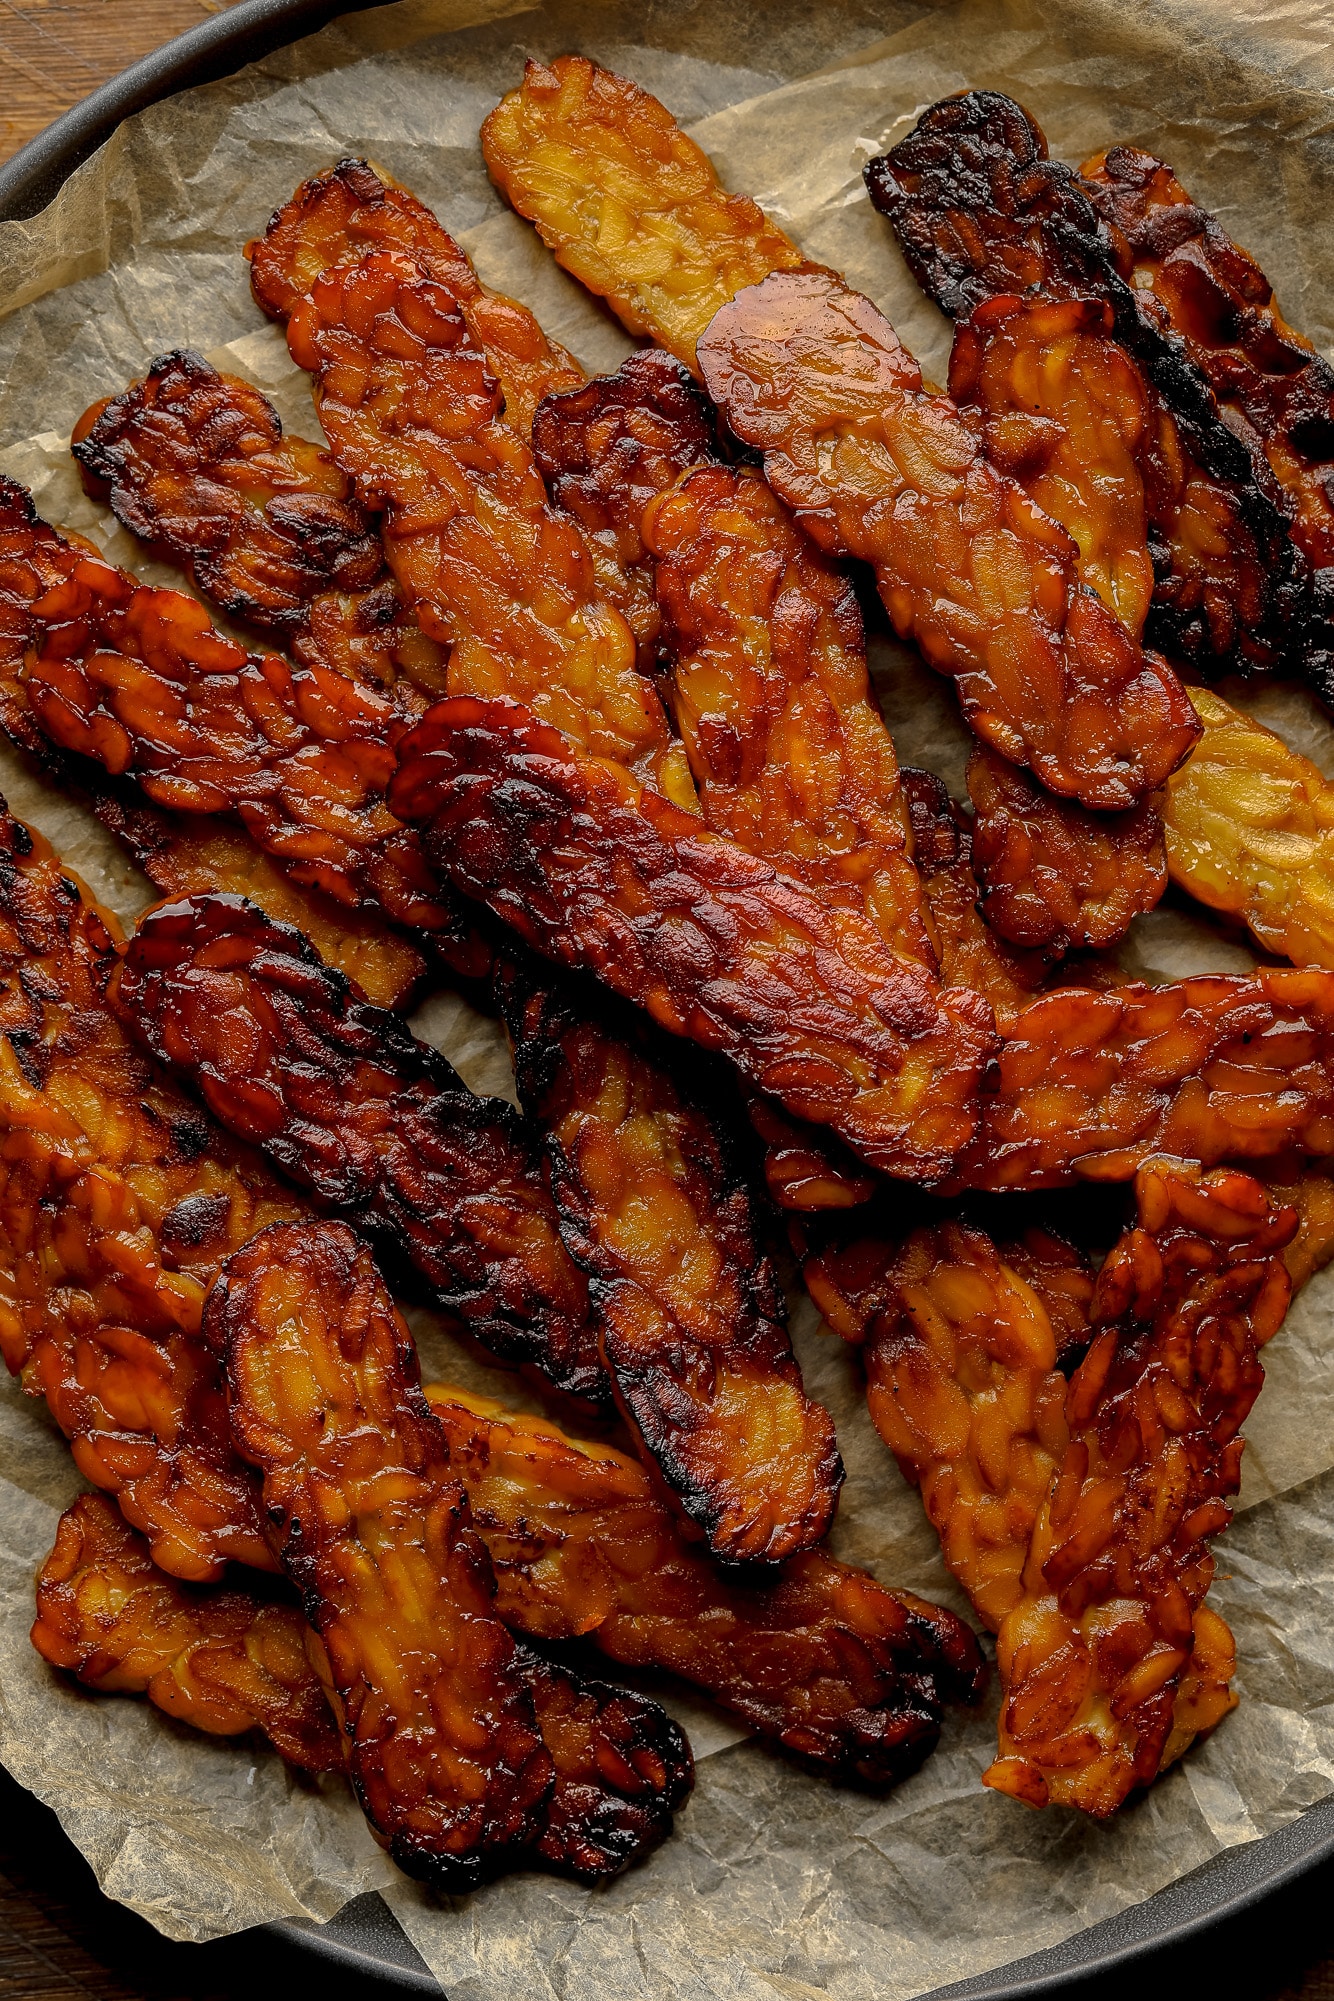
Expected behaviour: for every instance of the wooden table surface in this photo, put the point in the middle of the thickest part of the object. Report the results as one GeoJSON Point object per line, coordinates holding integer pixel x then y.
{"type": "Point", "coordinates": [59, 1938]}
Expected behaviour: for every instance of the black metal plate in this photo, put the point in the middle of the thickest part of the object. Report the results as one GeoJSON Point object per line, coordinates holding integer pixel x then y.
{"type": "Point", "coordinates": [364, 1939]}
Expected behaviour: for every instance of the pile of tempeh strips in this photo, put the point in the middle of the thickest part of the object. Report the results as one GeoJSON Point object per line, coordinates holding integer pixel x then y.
{"type": "Point", "coordinates": [571, 711]}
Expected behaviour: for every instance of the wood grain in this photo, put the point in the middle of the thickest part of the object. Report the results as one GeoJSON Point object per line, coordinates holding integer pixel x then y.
{"type": "Point", "coordinates": [54, 52]}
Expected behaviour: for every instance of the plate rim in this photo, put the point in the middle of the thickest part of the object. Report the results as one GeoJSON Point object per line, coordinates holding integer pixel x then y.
{"type": "Point", "coordinates": [1235, 1880]}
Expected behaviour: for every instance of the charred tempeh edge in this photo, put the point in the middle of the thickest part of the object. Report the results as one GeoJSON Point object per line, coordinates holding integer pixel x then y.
{"type": "Point", "coordinates": [607, 876]}
{"type": "Point", "coordinates": [1269, 380]}
{"type": "Point", "coordinates": [809, 372]}
{"type": "Point", "coordinates": [376, 1125]}
{"type": "Point", "coordinates": [652, 1185]}
{"type": "Point", "coordinates": [982, 212]}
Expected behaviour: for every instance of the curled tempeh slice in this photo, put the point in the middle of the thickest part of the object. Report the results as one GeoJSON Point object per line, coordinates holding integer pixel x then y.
{"type": "Point", "coordinates": [195, 463]}
{"type": "Point", "coordinates": [225, 1661]}
{"type": "Point", "coordinates": [614, 879]}
{"type": "Point", "coordinates": [120, 1198]}
{"type": "Point", "coordinates": [378, 1126]}
{"type": "Point", "coordinates": [1216, 1068]}
{"type": "Point", "coordinates": [845, 1674]}
{"type": "Point", "coordinates": [810, 373]}
{"type": "Point", "coordinates": [1271, 384]}
{"type": "Point", "coordinates": [765, 665]}
{"type": "Point", "coordinates": [374, 1529]}
{"type": "Point", "coordinates": [1093, 1655]}
{"type": "Point", "coordinates": [652, 1188]}
{"type": "Point", "coordinates": [981, 213]}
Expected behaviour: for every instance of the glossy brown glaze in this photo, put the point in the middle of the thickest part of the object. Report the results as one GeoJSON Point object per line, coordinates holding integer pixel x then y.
{"type": "Point", "coordinates": [718, 947]}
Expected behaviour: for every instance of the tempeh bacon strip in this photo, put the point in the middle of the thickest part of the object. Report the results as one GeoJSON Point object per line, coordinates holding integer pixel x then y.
{"type": "Point", "coordinates": [651, 1184]}
{"type": "Point", "coordinates": [612, 878]}
{"type": "Point", "coordinates": [874, 465]}
{"type": "Point", "coordinates": [842, 1672]}
{"type": "Point", "coordinates": [120, 1201]}
{"type": "Point", "coordinates": [37, 566]}
{"type": "Point", "coordinates": [414, 413]}
{"type": "Point", "coordinates": [195, 463]}
{"type": "Point", "coordinates": [224, 1661]}
{"type": "Point", "coordinates": [443, 1744]}
{"type": "Point", "coordinates": [765, 655]}
{"type": "Point", "coordinates": [808, 371]}
{"type": "Point", "coordinates": [983, 214]}
{"type": "Point", "coordinates": [963, 1348]}
{"type": "Point", "coordinates": [629, 204]}
{"type": "Point", "coordinates": [375, 1124]}
{"type": "Point", "coordinates": [1093, 1655]}
{"type": "Point", "coordinates": [1250, 831]}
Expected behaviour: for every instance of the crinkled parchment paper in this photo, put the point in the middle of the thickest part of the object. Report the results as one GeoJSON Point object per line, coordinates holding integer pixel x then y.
{"type": "Point", "coordinates": [774, 1884]}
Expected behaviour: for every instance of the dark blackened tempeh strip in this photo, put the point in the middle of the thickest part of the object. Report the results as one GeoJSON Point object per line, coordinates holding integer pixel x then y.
{"type": "Point", "coordinates": [375, 1124]}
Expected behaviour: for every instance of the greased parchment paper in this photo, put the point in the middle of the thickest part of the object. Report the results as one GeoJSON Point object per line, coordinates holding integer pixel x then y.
{"type": "Point", "coordinates": [774, 1885]}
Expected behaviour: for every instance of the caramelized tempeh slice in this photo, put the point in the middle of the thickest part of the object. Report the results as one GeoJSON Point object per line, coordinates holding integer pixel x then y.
{"type": "Point", "coordinates": [228, 1661]}
{"type": "Point", "coordinates": [354, 209]}
{"type": "Point", "coordinates": [37, 572]}
{"type": "Point", "coordinates": [981, 213]}
{"type": "Point", "coordinates": [655, 1204]}
{"type": "Point", "coordinates": [766, 663]}
{"type": "Point", "coordinates": [443, 1746]}
{"type": "Point", "coordinates": [195, 463]}
{"type": "Point", "coordinates": [1089, 1084]}
{"type": "Point", "coordinates": [963, 1346]}
{"type": "Point", "coordinates": [224, 1661]}
{"type": "Point", "coordinates": [962, 1338]}
{"type": "Point", "coordinates": [119, 1201]}
{"type": "Point", "coordinates": [1092, 1657]}
{"type": "Point", "coordinates": [440, 1708]}
{"type": "Point", "coordinates": [377, 1125]}
{"type": "Point", "coordinates": [718, 947]}
{"type": "Point", "coordinates": [413, 412]}
{"type": "Point", "coordinates": [1066, 412]}
{"type": "Point", "coordinates": [808, 371]}
{"type": "Point", "coordinates": [136, 679]}
{"type": "Point", "coordinates": [875, 465]}
{"type": "Point", "coordinates": [1056, 877]}
{"type": "Point", "coordinates": [1250, 830]}
{"type": "Point", "coordinates": [1267, 377]}
{"type": "Point", "coordinates": [629, 204]}
{"type": "Point", "coordinates": [845, 1674]}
